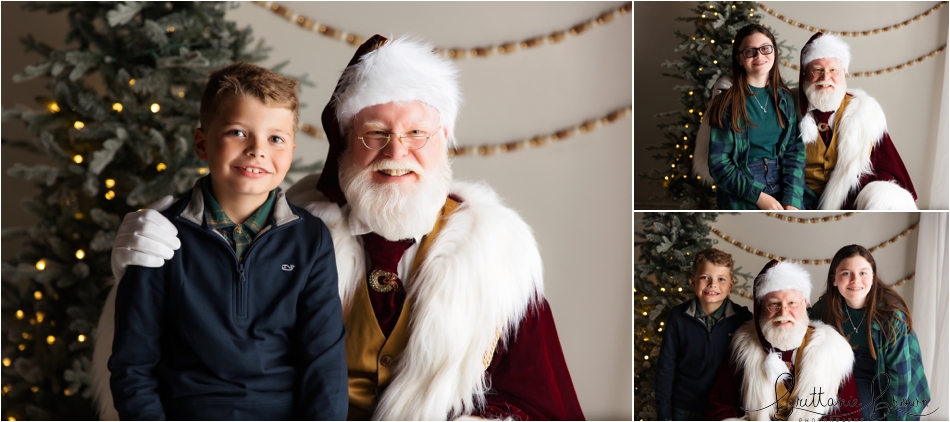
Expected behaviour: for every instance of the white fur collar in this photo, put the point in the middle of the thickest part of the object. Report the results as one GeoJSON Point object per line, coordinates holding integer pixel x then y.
{"type": "Point", "coordinates": [862, 127]}
{"type": "Point", "coordinates": [826, 363]}
{"type": "Point", "coordinates": [480, 275]}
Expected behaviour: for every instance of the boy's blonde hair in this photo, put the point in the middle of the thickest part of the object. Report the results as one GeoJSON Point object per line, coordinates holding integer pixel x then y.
{"type": "Point", "coordinates": [247, 80]}
{"type": "Point", "coordinates": [713, 256]}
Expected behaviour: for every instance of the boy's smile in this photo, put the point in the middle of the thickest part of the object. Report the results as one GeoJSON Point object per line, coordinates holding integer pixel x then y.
{"type": "Point", "coordinates": [249, 148]}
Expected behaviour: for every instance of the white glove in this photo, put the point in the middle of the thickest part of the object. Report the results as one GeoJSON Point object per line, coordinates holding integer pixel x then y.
{"type": "Point", "coordinates": [145, 238]}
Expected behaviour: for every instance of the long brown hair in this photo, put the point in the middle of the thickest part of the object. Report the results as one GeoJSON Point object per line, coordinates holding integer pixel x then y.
{"type": "Point", "coordinates": [879, 305]}
{"type": "Point", "coordinates": [734, 98]}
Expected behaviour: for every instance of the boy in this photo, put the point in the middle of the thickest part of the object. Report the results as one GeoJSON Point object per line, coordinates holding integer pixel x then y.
{"type": "Point", "coordinates": [697, 336]}
{"type": "Point", "coordinates": [245, 321]}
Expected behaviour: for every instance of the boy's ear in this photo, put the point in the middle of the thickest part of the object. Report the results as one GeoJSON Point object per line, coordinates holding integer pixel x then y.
{"type": "Point", "coordinates": [201, 144]}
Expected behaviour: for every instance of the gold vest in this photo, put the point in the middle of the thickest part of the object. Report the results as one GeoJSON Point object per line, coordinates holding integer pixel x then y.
{"type": "Point", "coordinates": [819, 159]}
{"type": "Point", "coordinates": [787, 399]}
{"type": "Point", "coordinates": [370, 356]}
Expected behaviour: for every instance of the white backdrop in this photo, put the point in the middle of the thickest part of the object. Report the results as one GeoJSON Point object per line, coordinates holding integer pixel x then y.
{"type": "Point", "coordinates": [575, 194]}
{"type": "Point", "coordinates": [911, 97]}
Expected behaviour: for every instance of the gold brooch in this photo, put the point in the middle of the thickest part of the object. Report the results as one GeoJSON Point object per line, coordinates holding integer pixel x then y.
{"type": "Point", "coordinates": [382, 281]}
{"type": "Point", "coordinates": [823, 127]}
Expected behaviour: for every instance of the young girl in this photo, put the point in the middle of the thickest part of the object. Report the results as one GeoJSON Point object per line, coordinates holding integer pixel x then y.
{"type": "Point", "coordinates": [875, 320]}
{"type": "Point", "coordinates": [755, 155]}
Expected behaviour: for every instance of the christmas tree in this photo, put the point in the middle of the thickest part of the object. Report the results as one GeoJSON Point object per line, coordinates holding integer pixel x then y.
{"type": "Point", "coordinates": [671, 241]}
{"type": "Point", "coordinates": [119, 116]}
{"type": "Point", "coordinates": [708, 57]}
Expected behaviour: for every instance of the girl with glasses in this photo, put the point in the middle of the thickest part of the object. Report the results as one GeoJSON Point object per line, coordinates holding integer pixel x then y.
{"type": "Point", "coordinates": [756, 158]}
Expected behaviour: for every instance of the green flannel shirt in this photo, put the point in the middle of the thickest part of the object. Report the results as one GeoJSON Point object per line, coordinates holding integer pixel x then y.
{"type": "Point", "coordinates": [901, 361]}
{"type": "Point", "coordinates": [240, 236]}
{"type": "Point", "coordinates": [907, 389]}
{"type": "Point", "coordinates": [711, 319]}
{"type": "Point", "coordinates": [736, 188]}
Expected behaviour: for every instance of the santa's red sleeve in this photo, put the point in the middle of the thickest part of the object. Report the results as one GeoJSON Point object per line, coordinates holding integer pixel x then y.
{"type": "Point", "coordinates": [530, 380]}
{"type": "Point", "coordinates": [724, 397]}
{"type": "Point", "coordinates": [886, 165]}
{"type": "Point", "coordinates": [849, 403]}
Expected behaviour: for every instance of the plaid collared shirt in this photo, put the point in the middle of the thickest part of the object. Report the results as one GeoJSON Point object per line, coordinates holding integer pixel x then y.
{"type": "Point", "coordinates": [240, 236]}
{"type": "Point", "coordinates": [709, 320]}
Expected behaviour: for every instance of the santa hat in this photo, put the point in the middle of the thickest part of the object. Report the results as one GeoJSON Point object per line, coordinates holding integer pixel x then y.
{"type": "Point", "coordinates": [820, 46]}
{"type": "Point", "coordinates": [775, 276]}
{"type": "Point", "coordinates": [384, 71]}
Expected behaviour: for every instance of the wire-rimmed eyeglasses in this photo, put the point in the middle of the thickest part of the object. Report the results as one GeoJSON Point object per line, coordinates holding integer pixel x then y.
{"type": "Point", "coordinates": [377, 140]}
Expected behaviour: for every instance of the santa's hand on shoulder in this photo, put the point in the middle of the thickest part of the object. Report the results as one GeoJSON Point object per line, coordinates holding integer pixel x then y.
{"type": "Point", "coordinates": [146, 238]}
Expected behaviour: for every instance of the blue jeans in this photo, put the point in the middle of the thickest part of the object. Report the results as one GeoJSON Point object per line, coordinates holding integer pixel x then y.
{"type": "Point", "coordinates": [767, 172]}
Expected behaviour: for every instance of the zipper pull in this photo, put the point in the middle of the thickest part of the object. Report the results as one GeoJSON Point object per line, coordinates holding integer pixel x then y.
{"type": "Point", "coordinates": [241, 270]}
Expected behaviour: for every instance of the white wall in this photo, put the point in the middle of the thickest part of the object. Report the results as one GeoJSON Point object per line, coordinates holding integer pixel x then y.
{"type": "Point", "coordinates": [910, 97]}
{"type": "Point", "coordinates": [575, 194]}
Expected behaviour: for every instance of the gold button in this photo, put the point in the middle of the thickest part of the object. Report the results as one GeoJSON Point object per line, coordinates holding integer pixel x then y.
{"type": "Point", "coordinates": [386, 360]}
{"type": "Point", "coordinates": [238, 230]}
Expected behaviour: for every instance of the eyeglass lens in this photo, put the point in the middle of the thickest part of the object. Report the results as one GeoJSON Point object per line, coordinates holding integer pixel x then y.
{"type": "Point", "coordinates": [765, 50]}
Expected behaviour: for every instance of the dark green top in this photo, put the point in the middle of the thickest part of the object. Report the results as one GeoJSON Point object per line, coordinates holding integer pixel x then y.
{"type": "Point", "coordinates": [857, 338]}
{"type": "Point", "coordinates": [766, 135]}
{"type": "Point", "coordinates": [239, 237]}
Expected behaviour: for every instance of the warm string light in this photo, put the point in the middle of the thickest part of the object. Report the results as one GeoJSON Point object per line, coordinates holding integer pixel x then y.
{"type": "Point", "coordinates": [155, 108]}
{"type": "Point", "coordinates": [807, 261]}
{"type": "Point", "coordinates": [79, 125]}
{"type": "Point", "coordinates": [81, 338]}
{"type": "Point", "coordinates": [40, 316]}
{"type": "Point", "coordinates": [110, 183]}
{"type": "Point", "coordinates": [38, 295]}
{"type": "Point", "coordinates": [53, 107]}
{"type": "Point", "coordinates": [77, 159]}
{"type": "Point", "coordinates": [161, 167]}
{"type": "Point", "coordinates": [312, 25]}
{"type": "Point", "coordinates": [80, 254]}
{"type": "Point", "coordinates": [7, 362]}
{"type": "Point", "coordinates": [110, 195]}
{"type": "Point", "coordinates": [50, 339]}
{"type": "Point", "coordinates": [41, 264]}
{"type": "Point", "coordinates": [19, 314]}
{"type": "Point", "coordinates": [117, 107]}
{"type": "Point", "coordinates": [852, 33]}
{"type": "Point", "coordinates": [809, 220]}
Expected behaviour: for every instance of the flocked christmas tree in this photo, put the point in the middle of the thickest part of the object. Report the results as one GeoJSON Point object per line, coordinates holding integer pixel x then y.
{"type": "Point", "coordinates": [119, 117]}
{"type": "Point", "coordinates": [669, 244]}
{"type": "Point", "coordinates": [708, 57]}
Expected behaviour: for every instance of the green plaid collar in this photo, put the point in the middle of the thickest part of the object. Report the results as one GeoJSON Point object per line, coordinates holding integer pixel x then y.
{"type": "Point", "coordinates": [240, 236]}
{"type": "Point", "coordinates": [710, 320]}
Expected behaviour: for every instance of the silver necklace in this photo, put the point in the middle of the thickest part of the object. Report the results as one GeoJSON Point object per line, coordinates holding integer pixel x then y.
{"type": "Point", "coordinates": [756, 96]}
{"type": "Point", "coordinates": [852, 323]}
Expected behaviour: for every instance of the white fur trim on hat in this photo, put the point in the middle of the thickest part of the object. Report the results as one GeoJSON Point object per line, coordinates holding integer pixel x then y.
{"type": "Point", "coordinates": [784, 276]}
{"type": "Point", "coordinates": [827, 47]}
{"type": "Point", "coordinates": [402, 70]}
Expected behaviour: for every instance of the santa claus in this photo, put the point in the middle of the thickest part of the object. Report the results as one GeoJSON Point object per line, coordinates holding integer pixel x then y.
{"type": "Point", "coordinates": [781, 365]}
{"type": "Point", "coordinates": [441, 283]}
{"type": "Point", "coordinates": [850, 162]}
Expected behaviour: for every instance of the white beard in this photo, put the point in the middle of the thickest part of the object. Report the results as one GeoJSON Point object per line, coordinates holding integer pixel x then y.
{"type": "Point", "coordinates": [395, 211]}
{"type": "Point", "coordinates": [826, 100]}
{"type": "Point", "coordinates": [785, 338]}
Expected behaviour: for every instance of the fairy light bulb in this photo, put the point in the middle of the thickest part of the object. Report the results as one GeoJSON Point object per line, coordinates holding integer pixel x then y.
{"type": "Point", "coordinates": [19, 314]}
{"type": "Point", "coordinates": [155, 108]}
{"type": "Point", "coordinates": [41, 264]}
{"type": "Point", "coordinates": [161, 167]}
{"type": "Point", "coordinates": [50, 339]}
{"type": "Point", "coordinates": [117, 107]}
{"type": "Point", "coordinates": [77, 159]}
{"type": "Point", "coordinates": [110, 195]}
{"type": "Point", "coordinates": [81, 338]}
{"type": "Point", "coordinates": [53, 107]}
{"type": "Point", "coordinates": [110, 183]}
{"type": "Point", "coordinates": [80, 254]}
{"type": "Point", "coordinates": [38, 295]}
{"type": "Point", "coordinates": [79, 125]}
